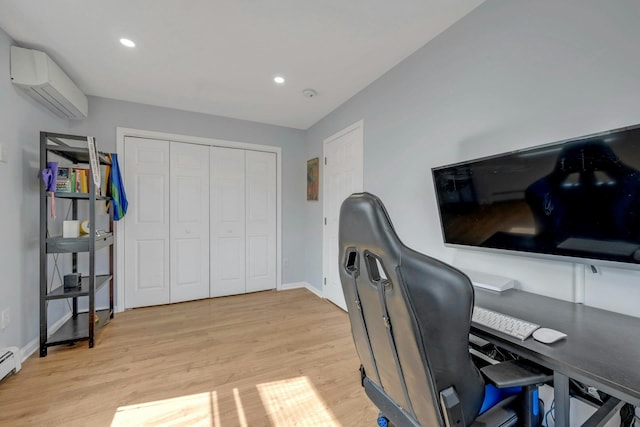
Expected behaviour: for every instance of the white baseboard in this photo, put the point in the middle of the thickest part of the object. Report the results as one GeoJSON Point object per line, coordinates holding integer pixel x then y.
{"type": "Point", "coordinates": [29, 349]}
{"type": "Point", "coordinates": [297, 285]}
{"type": "Point", "coordinates": [34, 345]}
{"type": "Point", "coordinates": [292, 285]}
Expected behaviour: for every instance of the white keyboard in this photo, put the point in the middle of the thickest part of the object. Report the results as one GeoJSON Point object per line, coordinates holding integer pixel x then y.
{"type": "Point", "coordinates": [502, 323]}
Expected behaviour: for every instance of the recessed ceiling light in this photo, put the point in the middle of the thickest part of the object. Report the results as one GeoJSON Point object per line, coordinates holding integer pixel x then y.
{"type": "Point", "coordinates": [127, 43]}
{"type": "Point", "coordinates": [279, 80]}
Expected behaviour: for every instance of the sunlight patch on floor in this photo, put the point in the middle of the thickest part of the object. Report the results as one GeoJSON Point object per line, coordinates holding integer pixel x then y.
{"type": "Point", "coordinates": [295, 402]}
{"type": "Point", "coordinates": [193, 410]}
{"type": "Point", "coordinates": [241, 416]}
{"type": "Point", "coordinates": [291, 402]}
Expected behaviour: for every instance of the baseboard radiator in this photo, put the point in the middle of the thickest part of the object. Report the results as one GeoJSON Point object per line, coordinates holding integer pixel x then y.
{"type": "Point", "coordinates": [9, 362]}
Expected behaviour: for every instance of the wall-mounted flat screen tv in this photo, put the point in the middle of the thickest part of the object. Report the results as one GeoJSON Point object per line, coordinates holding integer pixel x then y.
{"type": "Point", "coordinates": [578, 198]}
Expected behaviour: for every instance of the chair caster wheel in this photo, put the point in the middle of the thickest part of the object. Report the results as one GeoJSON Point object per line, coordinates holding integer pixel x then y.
{"type": "Point", "coordinates": [384, 421]}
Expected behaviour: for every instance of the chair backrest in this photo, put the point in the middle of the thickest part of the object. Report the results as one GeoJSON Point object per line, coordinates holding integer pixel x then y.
{"type": "Point", "coordinates": [410, 315]}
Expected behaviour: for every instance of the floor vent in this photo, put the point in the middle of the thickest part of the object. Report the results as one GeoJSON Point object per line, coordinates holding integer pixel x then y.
{"type": "Point", "coordinates": [9, 362]}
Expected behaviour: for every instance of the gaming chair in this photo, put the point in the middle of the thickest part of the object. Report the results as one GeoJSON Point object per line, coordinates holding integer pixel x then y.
{"type": "Point", "coordinates": [410, 318]}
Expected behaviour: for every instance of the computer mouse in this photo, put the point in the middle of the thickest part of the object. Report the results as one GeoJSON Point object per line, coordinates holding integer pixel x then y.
{"type": "Point", "coordinates": [548, 336]}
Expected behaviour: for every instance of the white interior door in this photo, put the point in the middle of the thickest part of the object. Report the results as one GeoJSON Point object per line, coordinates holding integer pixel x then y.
{"type": "Point", "coordinates": [260, 173]}
{"type": "Point", "coordinates": [343, 176]}
{"type": "Point", "coordinates": [189, 232]}
{"type": "Point", "coordinates": [146, 246]}
{"type": "Point", "coordinates": [227, 221]}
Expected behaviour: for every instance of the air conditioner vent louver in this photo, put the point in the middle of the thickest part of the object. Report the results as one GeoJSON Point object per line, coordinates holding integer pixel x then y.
{"type": "Point", "coordinates": [35, 72]}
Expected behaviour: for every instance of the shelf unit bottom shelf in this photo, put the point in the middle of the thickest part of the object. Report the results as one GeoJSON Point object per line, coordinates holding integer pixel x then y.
{"type": "Point", "coordinates": [77, 329]}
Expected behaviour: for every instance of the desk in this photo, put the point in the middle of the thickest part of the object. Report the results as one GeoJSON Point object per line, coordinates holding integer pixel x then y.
{"type": "Point", "coordinates": [602, 348]}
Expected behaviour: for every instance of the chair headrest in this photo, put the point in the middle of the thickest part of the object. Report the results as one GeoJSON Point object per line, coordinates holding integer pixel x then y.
{"type": "Point", "coordinates": [365, 224]}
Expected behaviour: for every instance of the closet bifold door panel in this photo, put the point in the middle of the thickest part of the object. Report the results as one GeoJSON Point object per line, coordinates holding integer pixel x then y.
{"type": "Point", "coordinates": [147, 225]}
{"type": "Point", "coordinates": [243, 221]}
{"type": "Point", "coordinates": [189, 230]}
{"type": "Point", "coordinates": [227, 213]}
{"type": "Point", "coordinates": [260, 222]}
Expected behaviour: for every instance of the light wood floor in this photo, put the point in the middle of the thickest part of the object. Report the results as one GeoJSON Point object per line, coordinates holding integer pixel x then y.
{"type": "Point", "coordinates": [264, 359]}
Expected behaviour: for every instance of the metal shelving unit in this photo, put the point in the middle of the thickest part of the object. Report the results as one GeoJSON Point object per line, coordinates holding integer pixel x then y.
{"type": "Point", "coordinates": [73, 150]}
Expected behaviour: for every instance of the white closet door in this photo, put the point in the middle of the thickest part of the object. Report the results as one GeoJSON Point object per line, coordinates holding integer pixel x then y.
{"type": "Point", "coordinates": [146, 175]}
{"type": "Point", "coordinates": [227, 222]}
{"type": "Point", "coordinates": [260, 220]}
{"type": "Point", "coordinates": [189, 222]}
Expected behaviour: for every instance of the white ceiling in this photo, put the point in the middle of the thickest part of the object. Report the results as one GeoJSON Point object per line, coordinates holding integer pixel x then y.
{"type": "Point", "coordinates": [220, 56]}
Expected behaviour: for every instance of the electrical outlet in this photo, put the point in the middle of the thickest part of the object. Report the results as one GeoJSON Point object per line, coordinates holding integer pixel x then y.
{"type": "Point", "coordinates": [5, 319]}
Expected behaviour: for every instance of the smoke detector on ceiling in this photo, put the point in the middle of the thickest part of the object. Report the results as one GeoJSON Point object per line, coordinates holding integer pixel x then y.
{"type": "Point", "coordinates": [309, 93]}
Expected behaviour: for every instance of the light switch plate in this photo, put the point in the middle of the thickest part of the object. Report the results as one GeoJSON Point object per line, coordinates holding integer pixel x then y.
{"type": "Point", "coordinates": [4, 154]}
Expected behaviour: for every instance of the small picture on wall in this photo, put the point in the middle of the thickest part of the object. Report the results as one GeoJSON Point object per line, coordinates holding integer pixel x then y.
{"type": "Point", "coordinates": [313, 172]}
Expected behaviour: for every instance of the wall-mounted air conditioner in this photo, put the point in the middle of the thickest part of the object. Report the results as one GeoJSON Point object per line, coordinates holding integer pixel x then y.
{"type": "Point", "coordinates": [46, 82]}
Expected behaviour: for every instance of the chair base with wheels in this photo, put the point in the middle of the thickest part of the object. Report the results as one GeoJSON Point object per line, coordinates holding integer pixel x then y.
{"type": "Point", "coordinates": [512, 390]}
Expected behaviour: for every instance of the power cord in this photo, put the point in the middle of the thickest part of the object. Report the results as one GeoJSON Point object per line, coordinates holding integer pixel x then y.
{"type": "Point", "coordinates": [552, 412]}
{"type": "Point", "coordinates": [542, 405]}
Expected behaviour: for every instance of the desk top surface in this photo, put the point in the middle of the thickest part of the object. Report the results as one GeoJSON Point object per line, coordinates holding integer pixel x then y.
{"type": "Point", "coordinates": [602, 348]}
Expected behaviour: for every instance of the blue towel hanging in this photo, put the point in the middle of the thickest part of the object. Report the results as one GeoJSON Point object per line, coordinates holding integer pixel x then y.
{"type": "Point", "coordinates": [116, 186]}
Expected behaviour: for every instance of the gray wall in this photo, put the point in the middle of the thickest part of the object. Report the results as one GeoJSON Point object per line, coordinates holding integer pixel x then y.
{"type": "Point", "coordinates": [105, 115]}
{"type": "Point", "coordinates": [511, 74]}
{"type": "Point", "coordinates": [21, 120]}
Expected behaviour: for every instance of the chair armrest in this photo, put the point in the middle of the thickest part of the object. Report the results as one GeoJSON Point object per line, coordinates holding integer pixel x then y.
{"type": "Point", "coordinates": [515, 373]}
{"type": "Point", "coordinates": [451, 408]}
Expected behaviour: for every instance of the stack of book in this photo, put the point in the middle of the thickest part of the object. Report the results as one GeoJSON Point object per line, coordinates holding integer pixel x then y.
{"type": "Point", "coordinates": [73, 180]}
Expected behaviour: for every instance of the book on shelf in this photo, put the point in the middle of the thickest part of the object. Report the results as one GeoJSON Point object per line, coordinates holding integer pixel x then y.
{"type": "Point", "coordinates": [63, 181]}
{"type": "Point", "coordinates": [84, 181]}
